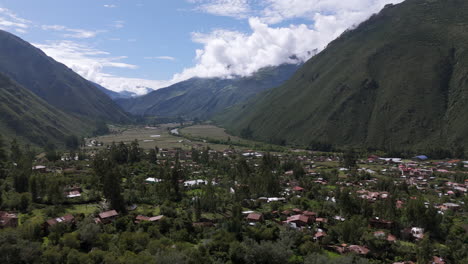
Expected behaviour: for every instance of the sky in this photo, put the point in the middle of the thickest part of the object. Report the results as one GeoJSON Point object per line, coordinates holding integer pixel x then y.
{"type": "Point", "coordinates": [132, 45]}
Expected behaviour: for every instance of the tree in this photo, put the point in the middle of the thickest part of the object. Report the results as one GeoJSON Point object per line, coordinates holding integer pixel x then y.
{"type": "Point", "coordinates": [3, 159]}
{"type": "Point", "coordinates": [175, 176]}
{"type": "Point", "coordinates": [51, 152]}
{"type": "Point", "coordinates": [349, 159]}
{"type": "Point", "coordinates": [152, 156]}
{"type": "Point", "coordinates": [424, 250]}
{"type": "Point", "coordinates": [110, 178]}
{"type": "Point", "coordinates": [72, 142]}
{"type": "Point", "coordinates": [33, 188]}
{"type": "Point", "coordinates": [22, 173]}
{"type": "Point", "coordinates": [101, 128]}
{"type": "Point", "coordinates": [15, 151]}
{"type": "Point", "coordinates": [134, 153]}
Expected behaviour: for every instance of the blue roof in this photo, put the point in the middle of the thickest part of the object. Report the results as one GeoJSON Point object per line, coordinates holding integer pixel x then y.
{"type": "Point", "coordinates": [422, 157]}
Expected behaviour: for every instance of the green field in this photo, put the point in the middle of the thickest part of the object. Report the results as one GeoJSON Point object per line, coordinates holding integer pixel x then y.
{"type": "Point", "coordinates": [160, 136]}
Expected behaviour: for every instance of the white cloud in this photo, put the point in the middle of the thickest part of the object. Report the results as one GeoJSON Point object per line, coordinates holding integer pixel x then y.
{"type": "Point", "coordinates": [229, 53]}
{"type": "Point", "coordinates": [91, 63]}
{"type": "Point", "coordinates": [231, 8]}
{"type": "Point", "coordinates": [354, 11]}
{"type": "Point", "coordinates": [10, 21]}
{"type": "Point", "coordinates": [72, 32]}
{"type": "Point", "coordinates": [110, 6]}
{"type": "Point", "coordinates": [169, 58]}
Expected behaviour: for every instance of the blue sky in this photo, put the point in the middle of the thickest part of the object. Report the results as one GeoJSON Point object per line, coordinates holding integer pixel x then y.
{"type": "Point", "coordinates": [125, 44]}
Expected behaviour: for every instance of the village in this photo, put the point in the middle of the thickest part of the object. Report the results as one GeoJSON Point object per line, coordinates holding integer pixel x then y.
{"type": "Point", "coordinates": [373, 207]}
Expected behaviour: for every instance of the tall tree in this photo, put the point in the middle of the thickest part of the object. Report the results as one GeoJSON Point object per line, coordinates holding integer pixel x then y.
{"type": "Point", "coordinates": [134, 153]}
{"type": "Point", "coordinates": [3, 159]}
{"type": "Point", "coordinates": [110, 177]}
{"type": "Point", "coordinates": [22, 173]}
{"type": "Point", "coordinates": [349, 159]}
{"type": "Point", "coordinates": [152, 156]}
{"type": "Point", "coordinates": [175, 177]}
{"type": "Point", "coordinates": [15, 151]}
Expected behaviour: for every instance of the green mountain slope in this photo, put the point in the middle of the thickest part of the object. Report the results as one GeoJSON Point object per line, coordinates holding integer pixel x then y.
{"type": "Point", "coordinates": [25, 116]}
{"type": "Point", "coordinates": [399, 80]}
{"type": "Point", "coordinates": [54, 82]}
{"type": "Point", "coordinates": [201, 98]}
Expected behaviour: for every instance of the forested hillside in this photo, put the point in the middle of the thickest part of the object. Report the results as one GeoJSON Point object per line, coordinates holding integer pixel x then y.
{"type": "Point", "coordinates": [397, 81]}
{"type": "Point", "coordinates": [201, 98]}
{"type": "Point", "coordinates": [27, 117]}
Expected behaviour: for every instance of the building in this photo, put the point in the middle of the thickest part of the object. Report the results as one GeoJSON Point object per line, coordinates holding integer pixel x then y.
{"type": "Point", "coordinates": [298, 220]}
{"type": "Point", "coordinates": [107, 217]}
{"type": "Point", "coordinates": [8, 220]}
{"type": "Point", "coordinates": [142, 218]}
{"type": "Point", "coordinates": [67, 219]}
{"type": "Point", "coordinates": [254, 217]}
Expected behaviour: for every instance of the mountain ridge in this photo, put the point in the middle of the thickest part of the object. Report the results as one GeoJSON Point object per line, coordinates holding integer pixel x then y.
{"type": "Point", "coordinates": [54, 82]}
{"type": "Point", "coordinates": [396, 81]}
{"type": "Point", "coordinates": [203, 97]}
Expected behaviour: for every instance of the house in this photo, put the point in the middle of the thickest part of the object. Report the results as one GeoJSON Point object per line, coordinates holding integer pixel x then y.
{"type": "Point", "coordinates": [437, 260]}
{"type": "Point", "coordinates": [319, 235]}
{"type": "Point", "coordinates": [40, 169]}
{"type": "Point", "coordinates": [416, 233]}
{"type": "Point", "coordinates": [383, 235]}
{"type": "Point", "coordinates": [298, 220]}
{"type": "Point", "coordinates": [421, 158]}
{"type": "Point", "coordinates": [195, 183]}
{"type": "Point", "coordinates": [67, 219]}
{"type": "Point", "coordinates": [73, 194]}
{"type": "Point", "coordinates": [142, 218]}
{"type": "Point", "coordinates": [107, 217]}
{"type": "Point", "coordinates": [254, 217]}
{"type": "Point", "coordinates": [298, 189]}
{"type": "Point", "coordinates": [8, 220]}
{"type": "Point", "coordinates": [152, 180]}
{"type": "Point", "coordinates": [360, 250]}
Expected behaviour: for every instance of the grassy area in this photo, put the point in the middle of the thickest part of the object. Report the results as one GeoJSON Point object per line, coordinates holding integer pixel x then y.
{"type": "Point", "coordinates": [150, 137]}
{"type": "Point", "coordinates": [193, 136]}
{"type": "Point", "coordinates": [86, 209]}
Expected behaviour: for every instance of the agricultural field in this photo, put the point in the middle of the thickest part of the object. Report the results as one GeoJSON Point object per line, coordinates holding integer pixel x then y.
{"type": "Point", "coordinates": [160, 136]}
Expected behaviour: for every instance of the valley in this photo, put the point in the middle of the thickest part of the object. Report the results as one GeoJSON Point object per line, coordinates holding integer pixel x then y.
{"type": "Point", "coordinates": [238, 132]}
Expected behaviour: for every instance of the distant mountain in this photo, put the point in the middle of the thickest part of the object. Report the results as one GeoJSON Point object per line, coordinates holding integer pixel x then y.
{"type": "Point", "coordinates": [25, 116]}
{"type": "Point", "coordinates": [201, 98]}
{"type": "Point", "coordinates": [54, 82]}
{"type": "Point", "coordinates": [115, 95]}
{"type": "Point", "coordinates": [399, 80]}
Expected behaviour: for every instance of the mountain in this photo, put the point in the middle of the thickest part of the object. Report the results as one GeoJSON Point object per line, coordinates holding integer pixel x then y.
{"type": "Point", "coordinates": [201, 98]}
{"type": "Point", "coordinates": [54, 82]}
{"type": "Point", "coordinates": [116, 95]}
{"type": "Point", "coordinates": [29, 118]}
{"type": "Point", "coordinates": [397, 81]}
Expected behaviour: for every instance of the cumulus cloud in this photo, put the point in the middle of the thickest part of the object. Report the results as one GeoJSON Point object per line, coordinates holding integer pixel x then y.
{"type": "Point", "coordinates": [72, 32]}
{"type": "Point", "coordinates": [91, 63]}
{"type": "Point", "coordinates": [231, 53]}
{"type": "Point", "coordinates": [10, 21]}
{"type": "Point", "coordinates": [276, 11]}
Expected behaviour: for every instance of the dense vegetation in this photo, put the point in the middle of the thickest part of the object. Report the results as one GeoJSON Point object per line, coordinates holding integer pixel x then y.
{"type": "Point", "coordinates": [27, 117]}
{"type": "Point", "coordinates": [201, 98]}
{"type": "Point", "coordinates": [54, 82]}
{"type": "Point", "coordinates": [397, 81]}
{"type": "Point", "coordinates": [205, 223]}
